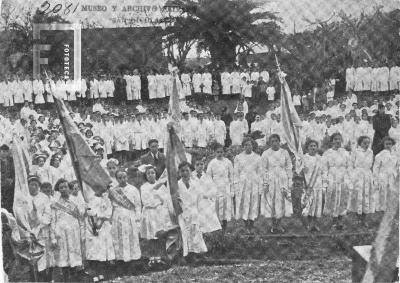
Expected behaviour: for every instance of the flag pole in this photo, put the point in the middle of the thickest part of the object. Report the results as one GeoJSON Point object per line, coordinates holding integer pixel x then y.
{"type": "Point", "coordinates": [71, 150]}
{"type": "Point", "coordinates": [296, 141]}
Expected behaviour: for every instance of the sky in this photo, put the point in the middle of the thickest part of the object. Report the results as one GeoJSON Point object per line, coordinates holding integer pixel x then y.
{"type": "Point", "coordinates": [297, 12]}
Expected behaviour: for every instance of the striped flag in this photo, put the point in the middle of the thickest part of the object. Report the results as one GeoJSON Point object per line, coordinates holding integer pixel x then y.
{"type": "Point", "coordinates": [291, 122]}
{"type": "Point", "coordinates": [175, 154]}
{"type": "Point", "coordinates": [22, 197]}
{"type": "Point", "coordinates": [175, 150]}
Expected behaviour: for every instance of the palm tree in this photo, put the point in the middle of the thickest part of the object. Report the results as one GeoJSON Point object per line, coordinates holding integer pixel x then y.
{"type": "Point", "coordinates": [222, 27]}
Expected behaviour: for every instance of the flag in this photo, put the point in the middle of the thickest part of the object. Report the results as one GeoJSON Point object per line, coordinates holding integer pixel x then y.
{"type": "Point", "coordinates": [22, 197]}
{"type": "Point", "coordinates": [384, 257]}
{"type": "Point", "coordinates": [88, 170]}
{"type": "Point", "coordinates": [25, 245]}
{"type": "Point", "coordinates": [175, 154]}
{"type": "Point", "coordinates": [175, 150]}
{"type": "Point", "coordinates": [291, 122]}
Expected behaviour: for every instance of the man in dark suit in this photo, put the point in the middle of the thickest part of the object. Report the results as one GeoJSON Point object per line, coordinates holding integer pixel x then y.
{"type": "Point", "coordinates": [381, 123]}
{"type": "Point", "coordinates": [154, 157]}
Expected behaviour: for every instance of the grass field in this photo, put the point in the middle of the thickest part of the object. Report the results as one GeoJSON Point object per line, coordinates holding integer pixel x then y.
{"type": "Point", "coordinates": [239, 256]}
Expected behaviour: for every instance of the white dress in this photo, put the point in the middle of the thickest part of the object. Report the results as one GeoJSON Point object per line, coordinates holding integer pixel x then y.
{"type": "Point", "coordinates": [125, 223]}
{"type": "Point", "coordinates": [386, 170]}
{"type": "Point", "coordinates": [209, 221]}
{"type": "Point", "coordinates": [156, 212]}
{"type": "Point", "coordinates": [221, 172]}
{"type": "Point", "coordinates": [189, 219]}
{"type": "Point", "coordinates": [226, 83]}
{"type": "Point", "coordinates": [235, 79]}
{"type": "Point", "coordinates": [160, 86]}
{"type": "Point", "coordinates": [186, 84]}
{"type": "Point", "coordinates": [121, 137]}
{"type": "Point", "coordinates": [38, 90]}
{"type": "Point", "coordinates": [136, 87]}
{"type": "Point", "coordinates": [100, 247]}
{"type": "Point", "coordinates": [207, 81]}
{"type": "Point", "coordinates": [44, 217]}
{"type": "Point", "coordinates": [363, 193]}
{"type": "Point", "coordinates": [65, 225]}
{"type": "Point", "coordinates": [277, 178]}
{"type": "Point", "coordinates": [152, 85]}
{"type": "Point", "coordinates": [314, 176]}
{"type": "Point", "coordinates": [336, 169]}
{"type": "Point", "coordinates": [128, 80]}
{"type": "Point", "coordinates": [247, 185]}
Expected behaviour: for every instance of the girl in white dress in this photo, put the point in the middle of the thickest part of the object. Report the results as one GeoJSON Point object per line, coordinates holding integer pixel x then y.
{"type": "Point", "coordinates": [42, 205]}
{"type": "Point", "coordinates": [362, 194]}
{"type": "Point", "coordinates": [276, 200]}
{"type": "Point", "coordinates": [314, 177]}
{"type": "Point", "coordinates": [112, 166]}
{"type": "Point", "coordinates": [209, 221]}
{"type": "Point", "coordinates": [189, 220]}
{"type": "Point", "coordinates": [126, 203]}
{"type": "Point", "coordinates": [336, 169]}
{"type": "Point", "coordinates": [220, 170]}
{"type": "Point", "coordinates": [65, 230]}
{"type": "Point", "coordinates": [152, 85]}
{"type": "Point", "coordinates": [99, 243]}
{"type": "Point", "coordinates": [156, 214]}
{"type": "Point", "coordinates": [247, 183]}
{"type": "Point", "coordinates": [385, 172]}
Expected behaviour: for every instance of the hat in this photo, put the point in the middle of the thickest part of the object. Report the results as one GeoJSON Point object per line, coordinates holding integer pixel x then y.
{"type": "Point", "coordinates": [4, 147]}
{"type": "Point", "coordinates": [98, 147]}
{"type": "Point", "coordinates": [32, 178]}
{"type": "Point", "coordinates": [39, 155]}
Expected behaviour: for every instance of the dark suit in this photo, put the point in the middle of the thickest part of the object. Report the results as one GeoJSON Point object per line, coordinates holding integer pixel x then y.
{"type": "Point", "coordinates": [158, 163]}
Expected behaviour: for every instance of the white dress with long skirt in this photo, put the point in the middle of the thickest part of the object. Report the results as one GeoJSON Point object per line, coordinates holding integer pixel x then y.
{"type": "Point", "coordinates": [209, 221]}
{"type": "Point", "coordinates": [156, 214]}
{"type": "Point", "coordinates": [65, 227]}
{"type": "Point", "coordinates": [247, 185]}
{"type": "Point", "coordinates": [385, 172]}
{"type": "Point", "coordinates": [189, 219]}
{"type": "Point", "coordinates": [337, 168]}
{"type": "Point", "coordinates": [43, 212]}
{"type": "Point", "coordinates": [125, 222]}
{"type": "Point", "coordinates": [276, 198]}
{"type": "Point", "coordinates": [315, 184]}
{"type": "Point", "coordinates": [363, 193]}
{"type": "Point", "coordinates": [99, 247]}
{"type": "Point", "coordinates": [221, 172]}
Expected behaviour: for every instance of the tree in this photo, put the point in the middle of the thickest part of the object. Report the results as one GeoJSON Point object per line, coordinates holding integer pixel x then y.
{"type": "Point", "coordinates": [223, 26]}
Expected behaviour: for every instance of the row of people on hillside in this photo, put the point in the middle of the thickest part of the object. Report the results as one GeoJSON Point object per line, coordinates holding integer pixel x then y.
{"type": "Point", "coordinates": [373, 79]}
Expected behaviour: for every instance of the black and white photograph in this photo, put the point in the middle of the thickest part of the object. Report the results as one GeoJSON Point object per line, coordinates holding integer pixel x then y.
{"type": "Point", "coordinates": [200, 140]}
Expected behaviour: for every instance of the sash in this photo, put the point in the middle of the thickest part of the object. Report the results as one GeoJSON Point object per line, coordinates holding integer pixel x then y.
{"type": "Point", "coordinates": [311, 184]}
{"type": "Point", "coordinates": [118, 196]}
{"type": "Point", "coordinates": [69, 208]}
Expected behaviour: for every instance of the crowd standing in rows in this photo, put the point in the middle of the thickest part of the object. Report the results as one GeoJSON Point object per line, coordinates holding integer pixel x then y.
{"type": "Point", "coordinates": [351, 163]}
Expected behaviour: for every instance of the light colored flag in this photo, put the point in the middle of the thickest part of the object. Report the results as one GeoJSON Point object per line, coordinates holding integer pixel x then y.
{"type": "Point", "coordinates": [291, 122]}
{"type": "Point", "coordinates": [175, 154]}
{"type": "Point", "coordinates": [384, 258]}
{"type": "Point", "coordinates": [22, 197]}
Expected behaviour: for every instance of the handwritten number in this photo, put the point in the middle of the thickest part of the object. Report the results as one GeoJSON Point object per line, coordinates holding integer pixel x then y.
{"type": "Point", "coordinates": [57, 8]}
{"type": "Point", "coordinates": [67, 10]}
{"type": "Point", "coordinates": [47, 4]}
{"type": "Point", "coordinates": [77, 4]}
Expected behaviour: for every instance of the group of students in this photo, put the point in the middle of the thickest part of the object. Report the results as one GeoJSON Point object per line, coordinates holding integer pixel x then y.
{"type": "Point", "coordinates": [18, 88]}
{"type": "Point", "coordinates": [376, 79]}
